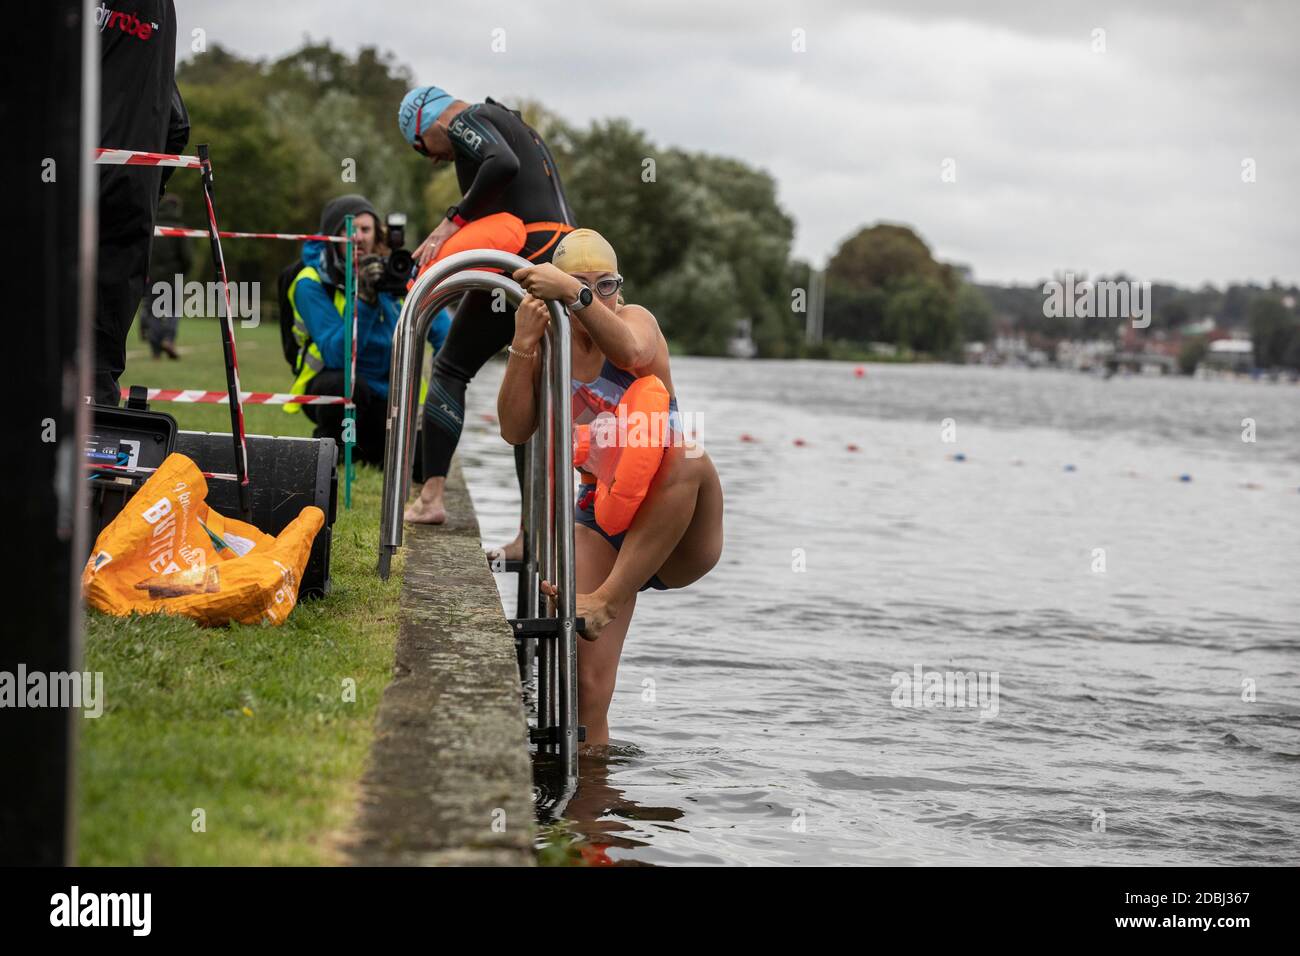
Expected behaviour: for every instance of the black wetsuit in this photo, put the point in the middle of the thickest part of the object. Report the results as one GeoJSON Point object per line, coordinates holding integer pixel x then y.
{"type": "Point", "coordinates": [502, 165]}
{"type": "Point", "coordinates": [140, 108]}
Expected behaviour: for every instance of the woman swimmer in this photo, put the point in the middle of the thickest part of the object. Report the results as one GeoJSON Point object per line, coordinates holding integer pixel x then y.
{"type": "Point", "coordinates": [676, 535]}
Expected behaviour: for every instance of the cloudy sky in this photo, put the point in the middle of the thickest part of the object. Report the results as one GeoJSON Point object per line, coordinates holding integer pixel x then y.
{"type": "Point", "coordinates": [1066, 157]}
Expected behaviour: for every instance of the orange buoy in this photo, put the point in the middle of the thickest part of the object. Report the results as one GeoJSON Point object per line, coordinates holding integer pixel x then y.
{"type": "Point", "coordinates": [624, 451]}
{"type": "Point", "coordinates": [502, 231]}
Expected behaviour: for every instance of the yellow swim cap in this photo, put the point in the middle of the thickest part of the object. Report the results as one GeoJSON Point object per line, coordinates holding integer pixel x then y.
{"type": "Point", "coordinates": [585, 250]}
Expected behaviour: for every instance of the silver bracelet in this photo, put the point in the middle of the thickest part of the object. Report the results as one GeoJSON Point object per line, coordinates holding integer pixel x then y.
{"type": "Point", "coordinates": [524, 355]}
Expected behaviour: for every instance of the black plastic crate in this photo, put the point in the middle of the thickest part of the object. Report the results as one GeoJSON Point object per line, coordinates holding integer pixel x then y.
{"type": "Point", "coordinates": [287, 475]}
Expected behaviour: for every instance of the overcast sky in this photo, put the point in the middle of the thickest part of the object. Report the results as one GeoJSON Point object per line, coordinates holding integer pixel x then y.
{"type": "Point", "coordinates": [1065, 158]}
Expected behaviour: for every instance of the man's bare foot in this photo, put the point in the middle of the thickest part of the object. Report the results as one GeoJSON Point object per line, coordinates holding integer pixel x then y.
{"type": "Point", "coordinates": [421, 512]}
{"type": "Point", "coordinates": [514, 551]}
{"type": "Point", "coordinates": [428, 507]}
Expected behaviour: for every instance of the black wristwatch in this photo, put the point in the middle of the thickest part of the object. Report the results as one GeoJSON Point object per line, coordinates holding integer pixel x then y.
{"type": "Point", "coordinates": [453, 213]}
{"type": "Point", "coordinates": [582, 301]}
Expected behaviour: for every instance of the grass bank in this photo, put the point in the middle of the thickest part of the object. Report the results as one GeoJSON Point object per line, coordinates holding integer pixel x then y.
{"type": "Point", "coordinates": [253, 730]}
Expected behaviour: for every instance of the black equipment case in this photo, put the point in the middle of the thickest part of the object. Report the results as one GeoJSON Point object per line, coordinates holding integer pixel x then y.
{"type": "Point", "coordinates": [287, 475]}
{"type": "Point", "coordinates": [130, 437]}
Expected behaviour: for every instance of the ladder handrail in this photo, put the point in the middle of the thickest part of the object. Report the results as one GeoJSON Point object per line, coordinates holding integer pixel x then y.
{"type": "Point", "coordinates": [549, 490]}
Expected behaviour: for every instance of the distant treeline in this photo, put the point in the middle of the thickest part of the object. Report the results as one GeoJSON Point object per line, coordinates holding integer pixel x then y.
{"type": "Point", "coordinates": [702, 240]}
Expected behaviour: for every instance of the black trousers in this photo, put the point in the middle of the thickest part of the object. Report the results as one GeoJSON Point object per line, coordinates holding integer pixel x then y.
{"type": "Point", "coordinates": [128, 205]}
{"type": "Point", "coordinates": [477, 333]}
{"type": "Point", "coordinates": [371, 414]}
{"type": "Point", "coordinates": [119, 288]}
{"type": "Point", "coordinates": [159, 319]}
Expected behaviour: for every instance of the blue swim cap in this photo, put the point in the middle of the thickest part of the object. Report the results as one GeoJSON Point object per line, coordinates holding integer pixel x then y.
{"type": "Point", "coordinates": [424, 103]}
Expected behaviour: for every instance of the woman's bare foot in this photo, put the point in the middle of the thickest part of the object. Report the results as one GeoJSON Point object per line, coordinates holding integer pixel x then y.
{"type": "Point", "coordinates": [514, 551]}
{"type": "Point", "coordinates": [595, 611]}
{"type": "Point", "coordinates": [428, 507]}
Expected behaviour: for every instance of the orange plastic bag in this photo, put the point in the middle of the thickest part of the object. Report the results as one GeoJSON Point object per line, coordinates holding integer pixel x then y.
{"type": "Point", "coordinates": [167, 552]}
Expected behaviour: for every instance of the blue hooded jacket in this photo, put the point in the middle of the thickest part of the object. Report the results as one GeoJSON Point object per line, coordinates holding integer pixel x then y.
{"type": "Point", "coordinates": [375, 324]}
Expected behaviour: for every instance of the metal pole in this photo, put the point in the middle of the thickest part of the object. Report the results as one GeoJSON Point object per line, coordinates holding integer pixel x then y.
{"type": "Point", "coordinates": [349, 349]}
{"type": "Point", "coordinates": [561, 421]}
{"type": "Point", "coordinates": [228, 343]}
{"type": "Point", "coordinates": [548, 683]}
{"type": "Point", "coordinates": [821, 305]}
{"type": "Point", "coordinates": [529, 578]}
{"type": "Point", "coordinates": [52, 354]}
{"type": "Point", "coordinates": [816, 299]}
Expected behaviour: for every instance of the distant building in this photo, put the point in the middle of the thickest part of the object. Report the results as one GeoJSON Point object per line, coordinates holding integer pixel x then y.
{"type": "Point", "coordinates": [1084, 356]}
{"type": "Point", "coordinates": [1236, 355]}
{"type": "Point", "coordinates": [1204, 327]}
{"type": "Point", "coordinates": [741, 344]}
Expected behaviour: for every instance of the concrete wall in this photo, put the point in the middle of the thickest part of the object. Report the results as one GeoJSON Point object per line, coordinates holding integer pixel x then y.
{"type": "Point", "coordinates": [450, 757]}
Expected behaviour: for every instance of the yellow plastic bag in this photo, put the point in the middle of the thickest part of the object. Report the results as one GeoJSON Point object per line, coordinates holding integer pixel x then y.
{"type": "Point", "coordinates": [167, 552]}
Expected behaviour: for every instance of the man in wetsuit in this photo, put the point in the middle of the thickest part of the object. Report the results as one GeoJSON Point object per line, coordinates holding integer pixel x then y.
{"type": "Point", "coordinates": [140, 108]}
{"type": "Point", "coordinates": [502, 165]}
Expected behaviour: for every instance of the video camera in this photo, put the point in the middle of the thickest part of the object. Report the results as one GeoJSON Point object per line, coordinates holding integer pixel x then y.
{"type": "Point", "coordinates": [399, 264]}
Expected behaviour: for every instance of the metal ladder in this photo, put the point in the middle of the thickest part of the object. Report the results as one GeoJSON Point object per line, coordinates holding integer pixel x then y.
{"type": "Point", "coordinates": [548, 490]}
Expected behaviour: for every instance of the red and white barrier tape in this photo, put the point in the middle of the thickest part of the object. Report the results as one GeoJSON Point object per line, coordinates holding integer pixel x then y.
{"type": "Point", "coordinates": [199, 396]}
{"type": "Point", "coordinates": [133, 157]}
{"type": "Point", "coordinates": [203, 234]}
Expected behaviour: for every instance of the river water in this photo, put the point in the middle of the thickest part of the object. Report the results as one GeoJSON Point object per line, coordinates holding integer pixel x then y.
{"type": "Point", "coordinates": [1136, 633]}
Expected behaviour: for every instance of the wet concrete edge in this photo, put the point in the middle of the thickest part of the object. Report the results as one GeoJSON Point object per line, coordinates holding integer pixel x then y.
{"type": "Point", "coordinates": [449, 780]}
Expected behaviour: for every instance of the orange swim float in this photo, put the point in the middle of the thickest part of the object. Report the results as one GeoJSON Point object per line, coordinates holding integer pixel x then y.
{"type": "Point", "coordinates": [502, 231]}
{"type": "Point", "coordinates": [624, 451]}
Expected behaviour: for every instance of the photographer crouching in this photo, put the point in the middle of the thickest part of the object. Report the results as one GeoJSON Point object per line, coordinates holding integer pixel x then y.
{"type": "Point", "coordinates": [312, 309]}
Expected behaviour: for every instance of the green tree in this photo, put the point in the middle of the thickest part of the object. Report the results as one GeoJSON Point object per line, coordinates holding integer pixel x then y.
{"type": "Point", "coordinates": [263, 181]}
{"type": "Point", "coordinates": [701, 238]}
{"type": "Point", "coordinates": [883, 255]}
{"type": "Point", "coordinates": [1272, 325]}
{"type": "Point", "coordinates": [288, 135]}
{"type": "Point", "coordinates": [920, 315]}
{"type": "Point", "coordinates": [1174, 313]}
{"type": "Point", "coordinates": [854, 315]}
{"type": "Point", "coordinates": [1192, 353]}
{"type": "Point", "coordinates": [886, 285]}
{"type": "Point", "coordinates": [974, 314]}
{"type": "Point", "coordinates": [1291, 357]}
